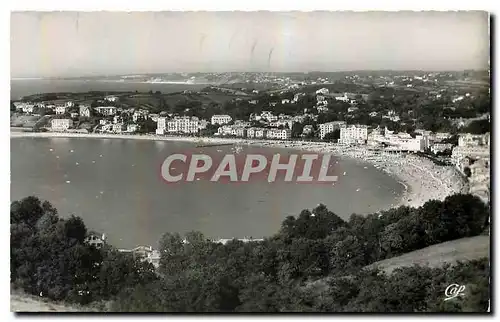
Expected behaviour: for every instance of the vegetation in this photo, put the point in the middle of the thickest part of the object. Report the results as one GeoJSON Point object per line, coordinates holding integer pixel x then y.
{"type": "Point", "coordinates": [281, 274]}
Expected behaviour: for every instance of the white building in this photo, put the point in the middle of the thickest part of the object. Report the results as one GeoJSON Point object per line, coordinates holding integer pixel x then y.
{"type": "Point", "coordinates": [238, 131]}
{"type": "Point", "coordinates": [183, 125]}
{"type": "Point", "coordinates": [297, 96]}
{"type": "Point", "coordinates": [118, 127]}
{"type": "Point", "coordinates": [233, 130]}
{"type": "Point", "coordinates": [137, 116]}
{"type": "Point", "coordinates": [28, 108]}
{"type": "Point", "coordinates": [131, 128]}
{"type": "Point", "coordinates": [439, 136]}
{"type": "Point", "coordinates": [106, 110]}
{"type": "Point", "coordinates": [323, 91]}
{"type": "Point", "coordinates": [284, 123]}
{"type": "Point", "coordinates": [472, 139]}
{"type": "Point", "coordinates": [242, 123]}
{"type": "Point", "coordinates": [268, 116]}
{"type": "Point", "coordinates": [154, 117]}
{"type": "Point", "coordinates": [221, 119]}
{"type": "Point", "coordinates": [440, 147]}
{"type": "Point", "coordinates": [282, 134]}
{"type": "Point", "coordinates": [61, 124]}
{"type": "Point", "coordinates": [307, 129]}
{"type": "Point", "coordinates": [474, 152]}
{"type": "Point", "coordinates": [256, 132]}
{"type": "Point", "coordinates": [329, 127]}
{"type": "Point", "coordinates": [69, 104]}
{"type": "Point", "coordinates": [161, 125]}
{"type": "Point", "coordinates": [117, 119]}
{"type": "Point", "coordinates": [85, 110]}
{"type": "Point", "coordinates": [60, 109]}
{"type": "Point", "coordinates": [96, 240]}
{"type": "Point", "coordinates": [111, 98]}
{"type": "Point", "coordinates": [224, 130]}
{"type": "Point", "coordinates": [343, 98]}
{"type": "Point", "coordinates": [408, 144]}
{"type": "Point", "coordinates": [352, 134]}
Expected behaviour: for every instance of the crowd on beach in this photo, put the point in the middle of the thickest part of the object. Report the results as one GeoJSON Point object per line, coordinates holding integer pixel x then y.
{"type": "Point", "coordinates": [423, 179]}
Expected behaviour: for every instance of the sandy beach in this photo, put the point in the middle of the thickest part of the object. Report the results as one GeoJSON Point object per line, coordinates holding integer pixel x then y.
{"type": "Point", "coordinates": [423, 180]}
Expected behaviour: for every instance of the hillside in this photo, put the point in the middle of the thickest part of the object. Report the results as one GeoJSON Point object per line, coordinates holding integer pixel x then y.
{"type": "Point", "coordinates": [463, 249]}
{"type": "Point", "coordinates": [434, 256]}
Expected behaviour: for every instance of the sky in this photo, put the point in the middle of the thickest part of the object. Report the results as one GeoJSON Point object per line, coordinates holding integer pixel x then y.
{"type": "Point", "coordinates": [58, 44]}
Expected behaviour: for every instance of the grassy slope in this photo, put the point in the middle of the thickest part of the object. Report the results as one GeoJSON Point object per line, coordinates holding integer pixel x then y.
{"type": "Point", "coordinates": [463, 249]}
{"type": "Point", "coordinates": [436, 255]}
{"type": "Point", "coordinates": [27, 303]}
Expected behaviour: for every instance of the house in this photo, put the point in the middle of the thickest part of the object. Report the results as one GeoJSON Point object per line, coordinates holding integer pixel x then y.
{"type": "Point", "coordinates": [330, 127]}
{"type": "Point", "coordinates": [137, 116]}
{"type": "Point", "coordinates": [256, 132]}
{"type": "Point", "coordinates": [61, 124]}
{"type": "Point", "coordinates": [323, 91]}
{"type": "Point", "coordinates": [307, 129]}
{"type": "Point", "coordinates": [269, 116]}
{"type": "Point", "coordinates": [161, 125]}
{"type": "Point", "coordinates": [106, 110]}
{"type": "Point", "coordinates": [85, 110]}
{"type": "Point", "coordinates": [60, 109]}
{"type": "Point", "coordinates": [353, 134]}
{"type": "Point", "coordinates": [282, 134]}
{"type": "Point", "coordinates": [341, 97]}
{"type": "Point", "coordinates": [95, 239]}
{"type": "Point", "coordinates": [145, 253]}
{"type": "Point", "coordinates": [221, 119]}
{"type": "Point", "coordinates": [154, 117]}
{"type": "Point", "coordinates": [297, 96]}
{"type": "Point", "coordinates": [28, 108]}
{"type": "Point", "coordinates": [404, 143]}
{"type": "Point", "coordinates": [473, 152]}
{"type": "Point", "coordinates": [183, 124]}
{"type": "Point", "coordinates": [74, 115]}
{"type": "Point", "coordinates": [440, 147]}
{"type": "Point", "coordinates": [131, 128]}
{"type": "Point", "coordinates": [118, 127]}
{"type": "Point", "coordinates": [468, 139]}
{"type": "Point", "coordinates": [111, 98]}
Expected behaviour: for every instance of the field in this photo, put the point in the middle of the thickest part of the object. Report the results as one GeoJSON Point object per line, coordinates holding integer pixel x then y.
{"type": "Point", "coordinates": [23, 303]}
{"type": "Point", "coordinates": [463, 249]}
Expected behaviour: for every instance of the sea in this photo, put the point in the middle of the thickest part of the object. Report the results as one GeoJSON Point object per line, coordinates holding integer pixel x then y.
{"type": "Point", "coordinates": [115, 186]}
{"type": "Point", "coordinates": [24, 87]}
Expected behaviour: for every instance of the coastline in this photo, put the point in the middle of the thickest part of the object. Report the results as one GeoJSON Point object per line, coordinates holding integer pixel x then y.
{"type": "Point", "coordinates": [423, 180]}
